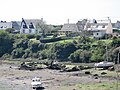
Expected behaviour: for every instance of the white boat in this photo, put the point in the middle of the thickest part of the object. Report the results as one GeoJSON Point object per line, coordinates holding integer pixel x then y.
{"type": "Point", "coordinates": [104, 64]}
{"type": "Point", "coordinates": [36, 83]}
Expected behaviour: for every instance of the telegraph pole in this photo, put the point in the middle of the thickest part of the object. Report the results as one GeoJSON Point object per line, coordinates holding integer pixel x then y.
{"type": "Point", "coordinates": [116, 69]}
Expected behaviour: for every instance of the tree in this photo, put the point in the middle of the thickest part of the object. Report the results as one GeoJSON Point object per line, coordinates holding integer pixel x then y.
{"type": "Point", "coordinates": [43, 28]}
{"type": "Point", "coordinates": [43, 54]}
{"type": "Point", "coordinates": [18, 53]}
{"type": "Point", "coordinates": [80, 56]}
{"type": "Point", "coordinates": [115, 53]}
{"type": "Point", "coordinates": [85, 55]}
{"type": "Point", "coordinates": [115, 42]}
{"type": "Point", "coordinates": [21, 43]}
{"type": "Point", "coordinates": [6, 43]}
{"type": "Point", "coordinates": [84, 40]}
{"type": "Point", "coordinates": [97, 54]}
{"type": "Point", "coordinates": [75, 57]}
{"type": "Point", "coordinates": [28, 53]}
{"type": "Point", "coordinates": [33, 46]}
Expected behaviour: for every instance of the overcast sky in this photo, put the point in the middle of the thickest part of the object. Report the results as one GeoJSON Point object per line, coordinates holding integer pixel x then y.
{"type": "Point", "coordinates": [58, 11]}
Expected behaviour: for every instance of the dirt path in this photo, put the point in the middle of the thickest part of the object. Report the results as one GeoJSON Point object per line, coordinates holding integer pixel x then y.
{"type": "Point", "coordinates": [13, 79]}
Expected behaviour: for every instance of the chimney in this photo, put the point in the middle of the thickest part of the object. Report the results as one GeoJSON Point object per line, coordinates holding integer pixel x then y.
{"type": "Point", "coordinates": [68, 21]}
{"type": "Point", "coordinates": [42, 19]}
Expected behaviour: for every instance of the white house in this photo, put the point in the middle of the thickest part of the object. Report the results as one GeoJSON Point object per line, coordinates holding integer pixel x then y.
{"type": "Point", "coordinates": [4, 25]}
{"type": "Point", "coordinates": [117, 25]}
{"type": "Point", "coordinates": [28, 26]}
{"type": "Point", "coordinates": [99, 27]}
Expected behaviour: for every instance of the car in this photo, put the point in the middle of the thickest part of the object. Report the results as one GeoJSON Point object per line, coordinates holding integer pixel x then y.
{"type": "Point", "coordinates": [36, 83]}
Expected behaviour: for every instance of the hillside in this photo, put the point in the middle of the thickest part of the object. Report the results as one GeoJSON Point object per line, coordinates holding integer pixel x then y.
{"type": "Point", "coordinates": [59, 47]}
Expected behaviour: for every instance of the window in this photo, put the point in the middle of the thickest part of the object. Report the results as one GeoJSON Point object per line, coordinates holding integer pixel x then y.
{"type": "Point", "coordinates": [23, 30]}
{"type": "Point", "coordinates": [96, 26]}
{"type": "Point", "coordinates": [24, 26]}
{"type": "Point", "coordinates": [103, 26]}
{"type": "Point", "coordinates": [1, 27]}
{"type": "Point", "coordinates": [97, 34]}
{"type": "Point", "coordinates": [5, 27]}
{"type": "Point", "coordinates": [31, 26]}
{"type": "Point", "coordinates": [33, 80]}
{"type": "Point", "coordinates": [30, 30]}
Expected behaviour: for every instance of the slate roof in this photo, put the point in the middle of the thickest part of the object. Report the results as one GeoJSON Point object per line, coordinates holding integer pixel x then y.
{"type": "Point", "coordinates": [34, 21]}
{"type": "Point", "coordinates": [69, 28]}
{"type": "Point", "coordinates": [16, 25]}
{"type": "Point", "coordinates": [98, 25]}
{"type": "Point", "coordinates": [5, 25]}
{"type": "Point", "coordinates": [116, 25]}
{"type": "Point", "coordinates": [31, 23]}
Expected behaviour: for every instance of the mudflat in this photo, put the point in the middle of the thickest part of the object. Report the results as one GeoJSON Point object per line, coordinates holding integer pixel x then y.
{"type": "Point", "coordinates": [11, 78]}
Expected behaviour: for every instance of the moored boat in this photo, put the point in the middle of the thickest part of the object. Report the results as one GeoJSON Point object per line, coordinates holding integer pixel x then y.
{"type": "Point", "coordinates": [104, 64]}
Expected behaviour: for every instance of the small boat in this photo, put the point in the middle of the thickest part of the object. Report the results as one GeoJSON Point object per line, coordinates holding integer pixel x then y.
{"type": "Point", "coordinates": [104, 64]}
{"type": "Point", "coordinates": [36, 83]}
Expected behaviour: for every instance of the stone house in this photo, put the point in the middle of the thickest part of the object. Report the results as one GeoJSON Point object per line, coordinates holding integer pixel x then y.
{"type": "Point", "coordinates": [69, 28]}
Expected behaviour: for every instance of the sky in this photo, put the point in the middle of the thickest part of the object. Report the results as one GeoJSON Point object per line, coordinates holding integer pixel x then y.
{"type": "Point", "coordinates": [59, 11]}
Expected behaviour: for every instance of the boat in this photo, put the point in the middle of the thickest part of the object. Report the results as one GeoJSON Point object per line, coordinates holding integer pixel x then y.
{"type": "Point", "coordinates": [104, 64]}
{"type": "Point", "coordinates": [36, 83]}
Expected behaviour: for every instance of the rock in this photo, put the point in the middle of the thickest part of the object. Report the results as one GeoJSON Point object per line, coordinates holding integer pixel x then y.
{"type": "Point", "coordinates": [75, 68]}
{"type": "Point", "coordinates": [10, 67]}
{"type": "Point", "coordinates": [111, 68]}
{"type": "Point", "coordinates": [24, 83]}
{"type": "Point", "coordinates": [81, 67]}
{"type": "Point", "coordinates": [17, 78]}
{"type": "Point", "coordinates": [95, 75]}
{"type": "Point", "coordinates": [87, 72]}
{"type": "Point", "coordinates": [103, 73]}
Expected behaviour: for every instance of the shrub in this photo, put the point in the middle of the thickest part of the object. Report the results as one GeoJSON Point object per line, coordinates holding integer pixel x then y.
{"type": "Point", "coordinates": [10, 30]}
{"type": "Point", "coordinates": [18, 53]}
{"type": "Point", "coordinates": [38, 37]}
{"type": "Point", "coordinates": [50, 40]}
{"type": "Point", "coordinates": [30, 36]}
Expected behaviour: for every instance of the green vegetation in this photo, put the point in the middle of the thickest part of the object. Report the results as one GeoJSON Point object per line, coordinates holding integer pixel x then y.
{"type": "Point", "coordinates": [60, 47]}
{"type": "Point", "coordinates": [6, 43]}
{"type": "Point", "coordinates": [63, 41]}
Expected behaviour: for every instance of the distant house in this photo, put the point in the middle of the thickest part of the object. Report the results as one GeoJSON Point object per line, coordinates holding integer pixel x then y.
{"type": "Point", "coordinates": [117, 25]}
{"type": "Point", "coordinates": [4, 25]}
{"type": "Point", "coordinates": [13, 24]}
{"type": "Point", "coordinates": [69, 28]}
{"type": "Point", "coordinates": [28, 26]}
{"type": "Point", "coordinates": [99, 27]}
{"type": "Point", "coordinates": [16, 25]}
